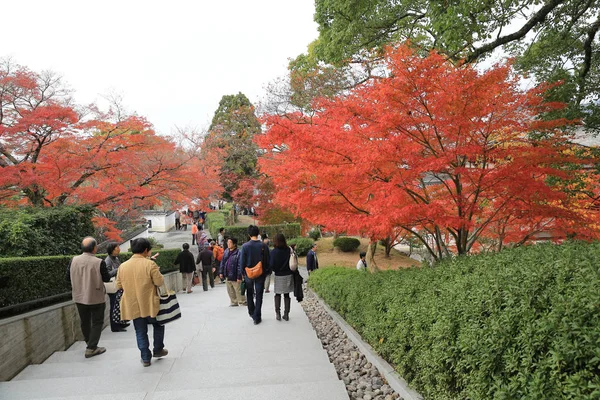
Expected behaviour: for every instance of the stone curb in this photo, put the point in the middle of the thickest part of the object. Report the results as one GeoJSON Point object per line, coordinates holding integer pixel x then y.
{"type": "Point", "coordinates": [394, 380]}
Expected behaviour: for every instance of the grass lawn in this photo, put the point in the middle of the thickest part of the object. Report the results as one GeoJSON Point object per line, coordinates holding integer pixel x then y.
{"type": "Point", "coordinates": [330, 256]}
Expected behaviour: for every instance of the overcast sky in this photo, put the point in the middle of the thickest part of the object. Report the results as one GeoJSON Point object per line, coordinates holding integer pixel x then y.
{"type": "Point", "coordinates": [170, 60]}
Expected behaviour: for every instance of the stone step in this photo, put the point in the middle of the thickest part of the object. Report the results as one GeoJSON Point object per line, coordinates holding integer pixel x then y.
{"type": "Point", "coordinates": [217, 378]}
{"type": "Point", "coordinates": [244, 359]}
{"type": "Point", "coordinates": [129, 366]}
{"type": "Point", "coordinates": [291, 391]}
{"type": "Point", "coordinates": [78, 387]}
{"type": "Point", "coordinates": [108, 358]}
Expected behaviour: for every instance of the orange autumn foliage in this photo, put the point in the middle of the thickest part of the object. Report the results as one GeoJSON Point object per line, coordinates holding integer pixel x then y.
{"type": "Point", "coordinates": [447, 153]}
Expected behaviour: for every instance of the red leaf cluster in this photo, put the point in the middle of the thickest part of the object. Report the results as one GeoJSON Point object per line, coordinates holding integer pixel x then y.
{"type": "Point", "coordinates": [444, 152]}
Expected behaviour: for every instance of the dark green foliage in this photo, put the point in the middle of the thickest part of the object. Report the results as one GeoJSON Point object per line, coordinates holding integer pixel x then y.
{"type": "Point", "coordinates": [314, 234]}
{"type": "Point", "coordinates": [31, 278]}
{"type": "Point", "coordinates": [241, 232]}
{"type": "Point", "coordinates": [44, 231]}
{"type": "Point", "coordinates": [520, 324]}
{"type": "Point", "coordinates": [232, 129]}
{"type": "Point", "coordinates": [346, 243]}
{"type": "Point", "coordinates": [303, 245]}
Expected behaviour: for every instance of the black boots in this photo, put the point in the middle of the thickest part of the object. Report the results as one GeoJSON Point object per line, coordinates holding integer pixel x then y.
{"type": "Point", "coordinates": [286, 311]}
{"type": "Point", "coordinates": [278, 307]}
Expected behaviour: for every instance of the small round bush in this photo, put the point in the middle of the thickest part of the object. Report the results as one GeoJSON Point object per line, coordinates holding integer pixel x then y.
{"type": "Point", "coordinates": [346, 244]}
{"type": "Point", "coordinates": [303, 245]}
{"type": "Point", "coordinates": [314, 234]}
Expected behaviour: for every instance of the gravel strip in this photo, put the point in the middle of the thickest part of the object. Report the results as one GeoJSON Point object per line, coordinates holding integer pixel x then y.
{"type": "Point", "coordinates": [362, 379]}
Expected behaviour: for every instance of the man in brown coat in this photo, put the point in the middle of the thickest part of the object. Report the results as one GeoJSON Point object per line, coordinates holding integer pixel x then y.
{"type": "Point", "coordinates": [87, 274]}
{"type": "Point", "coordinates": [140, 277]}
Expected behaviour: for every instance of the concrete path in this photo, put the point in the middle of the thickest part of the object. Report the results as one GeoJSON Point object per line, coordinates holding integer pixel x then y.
{"type": "Point", "coordinates": [215, 352]}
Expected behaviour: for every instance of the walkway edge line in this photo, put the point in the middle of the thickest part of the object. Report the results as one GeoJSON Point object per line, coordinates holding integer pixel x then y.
{"type": "Point", "coordinates": [394, 380]}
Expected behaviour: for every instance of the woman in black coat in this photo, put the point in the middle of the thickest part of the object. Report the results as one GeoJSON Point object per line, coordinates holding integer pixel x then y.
{"type": "Point", "coordinates": [187, 266]}
{"type": "Point", "coordinates": [284, 281]}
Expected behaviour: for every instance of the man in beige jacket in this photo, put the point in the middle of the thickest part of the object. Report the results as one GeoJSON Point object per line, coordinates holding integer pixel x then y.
{"type": "Point", "coordinates": [139, 277]}
{"type": "Point", "coordinates": [87, 274]}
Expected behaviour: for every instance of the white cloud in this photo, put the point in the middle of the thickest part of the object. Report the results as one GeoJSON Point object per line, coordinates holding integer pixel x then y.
{"type": "Point", "coordinates": [171, 61]}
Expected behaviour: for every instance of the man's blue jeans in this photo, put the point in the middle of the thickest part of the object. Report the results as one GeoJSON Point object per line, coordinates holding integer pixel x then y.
{"type": "Point", "coordinates": [141, 334]}
{"type": "Point", "coordinates": [255, 286]}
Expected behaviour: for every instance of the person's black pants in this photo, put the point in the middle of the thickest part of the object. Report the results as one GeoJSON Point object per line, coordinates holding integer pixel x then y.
{"type": "Point", "coordinates": [207, 270]}
{"type": "Point", "coordinates": [177, 223]}
{"type": "Point", "coordinates": [255, 286]}
{"type": "Point", "coordinates": [92, 319]}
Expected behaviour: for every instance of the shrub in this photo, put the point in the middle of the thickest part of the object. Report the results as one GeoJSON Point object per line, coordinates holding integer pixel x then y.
{"type": "Point", "coordinates": [154, 243]}
{"type": "Point", "coordinates": [26, 279]}
{"type": "Point", "coordinates": [241, 232]}
{"type": "Point", "coordinates": [519, 324]}
{"type": "Point", "coordinates": [27, 232]}
{"type": "Point", "coordinates": [314, 234]}
{"type": "Point", "coordinates": [346, 243]}
{"type": "Point", "coordinates": [303, 245]}
{"type": "Point", "coordinates": [214, 221]}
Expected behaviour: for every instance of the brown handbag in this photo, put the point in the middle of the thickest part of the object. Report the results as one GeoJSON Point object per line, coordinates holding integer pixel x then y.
{"type": "Point", "coordinates": [257, 270]}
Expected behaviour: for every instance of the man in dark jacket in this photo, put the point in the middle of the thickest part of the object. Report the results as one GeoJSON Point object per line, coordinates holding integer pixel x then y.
{"type": "Point", "coordinates": [229, 271]}
{"type": "Point", "coordinates": [252, 252]}
{"type": "Point", "coordinates": [185, 260]}
{"type": "Point", "coordinates": [312, 261]}
{"type": "Point", "coordinates": [205, 259]}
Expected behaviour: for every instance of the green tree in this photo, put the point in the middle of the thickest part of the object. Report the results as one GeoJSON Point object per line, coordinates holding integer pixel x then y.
{"type": "Point", "coordinates": [554, 40]}
{"type": "Point", "coordinates": [232, 131]}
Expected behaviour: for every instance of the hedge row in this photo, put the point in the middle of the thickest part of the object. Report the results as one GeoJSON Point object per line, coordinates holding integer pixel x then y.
{"type": "Point", "coordinates": [241, 232]}
{"type": "Point", "coordinates": [28, 232]}
{"type": "Point", "coordinates": [214, 221]}
{"type": "Point", "coordinates": [32, 278]}
{"type": "Point", "coordinates": [521, 324]}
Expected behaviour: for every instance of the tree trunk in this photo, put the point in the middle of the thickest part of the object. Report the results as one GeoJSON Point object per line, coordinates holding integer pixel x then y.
{"type": "Point", "coordinates": [388, 246]}
{"type": "Point", "coordinates": [371, 256]}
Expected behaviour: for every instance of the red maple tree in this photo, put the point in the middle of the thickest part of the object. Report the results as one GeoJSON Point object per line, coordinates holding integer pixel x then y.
{"type": "Point", "coordinates": [444, 152]}
{"type": "Point", "coordinates": [53, 152]}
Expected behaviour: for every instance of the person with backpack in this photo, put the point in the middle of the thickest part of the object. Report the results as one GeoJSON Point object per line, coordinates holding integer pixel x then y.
{"type": "Point", "coordinates": [253, 252]}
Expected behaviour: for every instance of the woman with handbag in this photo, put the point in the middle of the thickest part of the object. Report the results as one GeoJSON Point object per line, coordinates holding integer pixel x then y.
{"type": "Point", "coordinates": [112, 265]}
{"type": "Point", "coordinates": [281, 256]}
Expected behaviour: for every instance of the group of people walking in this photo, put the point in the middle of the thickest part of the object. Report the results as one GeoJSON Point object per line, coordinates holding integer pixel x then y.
{"type": "Point", "coordinates": [136, 296]}
{"type": "Point", "coordinates": [232, 267]}
{"type": "Point", "coordinates": [138, 280]}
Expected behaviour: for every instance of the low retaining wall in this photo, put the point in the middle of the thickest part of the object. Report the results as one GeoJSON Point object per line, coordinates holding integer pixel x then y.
{"type": "Point", "coordinates": [32, 337]}
{"type": "Point", "coordinates": [160, 221]}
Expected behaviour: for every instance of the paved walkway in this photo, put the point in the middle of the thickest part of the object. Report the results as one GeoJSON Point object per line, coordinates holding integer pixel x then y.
{"type": "Point", "coordinates": [215, 352]}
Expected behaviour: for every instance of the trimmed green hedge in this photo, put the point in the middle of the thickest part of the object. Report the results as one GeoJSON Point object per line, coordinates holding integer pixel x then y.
{"type": "Point", "coordinates": [241, 232]}
{"type": "Point", "coordinates": [32, 278]}
{"type": "Point", "coordinates": [27, 232]}
{"type": "Point", "coordinates": [521, 324]}
{"type": "Point", "coordinates": [346, 244]}
{"type": "Point", "coordinates": [214, 221]}
{"type": "Point", "coordinates": [303, 245]}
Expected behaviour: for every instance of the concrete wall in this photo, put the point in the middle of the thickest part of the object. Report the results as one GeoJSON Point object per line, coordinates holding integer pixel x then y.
{"type": "Point", "coordinates": [32, 337]}
{"type": "Point", "coordinates": [162, 221]}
